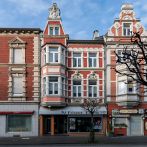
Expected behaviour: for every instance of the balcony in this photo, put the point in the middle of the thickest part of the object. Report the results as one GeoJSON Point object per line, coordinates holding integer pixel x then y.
{"type": "Point", "coordinates": [128, 100]}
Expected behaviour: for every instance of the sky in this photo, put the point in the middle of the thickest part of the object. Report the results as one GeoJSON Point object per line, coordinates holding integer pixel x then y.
{"type": "Point", "coordinates": [79, 17]}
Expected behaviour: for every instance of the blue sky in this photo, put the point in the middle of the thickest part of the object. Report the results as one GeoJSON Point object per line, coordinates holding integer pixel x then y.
{"type": "Point", "coordinates": [79, 17]}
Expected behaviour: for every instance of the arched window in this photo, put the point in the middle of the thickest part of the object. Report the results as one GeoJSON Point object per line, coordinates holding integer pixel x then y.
{"type": "Point", "coordinates": [77, 85]}
{"type": "Point", "coordinates": [92, 86]}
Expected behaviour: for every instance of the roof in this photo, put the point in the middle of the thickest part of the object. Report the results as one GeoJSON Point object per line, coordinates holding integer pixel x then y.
{"type": "Point", "coordinates": [23, 30]}
{"type": "Point", "coordinates": [98, 40]}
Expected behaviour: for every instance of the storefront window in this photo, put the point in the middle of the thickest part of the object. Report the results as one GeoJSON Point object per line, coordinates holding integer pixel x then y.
{"type": "Point", "coordinates": [83, 124]}
{"type": "Point", "coordinates": [18, 123]}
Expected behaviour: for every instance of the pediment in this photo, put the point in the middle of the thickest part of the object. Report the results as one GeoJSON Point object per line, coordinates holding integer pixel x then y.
{"type": "Point", "coordinates": [16, 40]}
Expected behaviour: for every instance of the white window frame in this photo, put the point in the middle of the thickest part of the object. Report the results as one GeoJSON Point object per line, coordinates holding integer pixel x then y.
{"type": "Point", "coordinates": [53, 26]}
{"type": "Point", "coordinates": [77, 88]}
{"type": "Point", "coordinates": [16, 43]}
{"type": "Point", "coordinates": [93, 86]}
{"type": "Point", "coordinates": [17, 94]}
{"type": "Point", "coordinates": [93, 58]}
{"type": "Point", "coordinates": [127, 28]}
{"type": "Point", "coordinates": [121, 89]}
{"type": "Point", "coordinates": [77, 60]}
{"type": "Point", "coordinates": [54, 86]}
{"type": "Point", "coordinates": [54, 54]}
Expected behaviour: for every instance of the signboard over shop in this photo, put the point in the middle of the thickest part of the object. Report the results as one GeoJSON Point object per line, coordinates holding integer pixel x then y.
{"type": "Point", "coordinates": [127, 111]}
{"type": "Point", "coordinates": [70, 110]}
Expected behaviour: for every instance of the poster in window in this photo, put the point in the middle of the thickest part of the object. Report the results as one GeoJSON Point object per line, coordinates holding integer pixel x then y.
{"type": "Point", "coordinates": [98, 124]}
{"type": "Point", "coordinates": [72, 125]}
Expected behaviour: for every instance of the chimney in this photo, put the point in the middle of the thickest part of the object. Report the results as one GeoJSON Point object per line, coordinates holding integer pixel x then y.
{"type": "Point", "coordinates": [95, 34]}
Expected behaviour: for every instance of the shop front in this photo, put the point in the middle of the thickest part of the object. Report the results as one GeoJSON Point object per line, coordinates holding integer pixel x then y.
{"type": "Point", "coordinates": [128, 122]}
{"type": "Point", "coordinates": [71, 121]}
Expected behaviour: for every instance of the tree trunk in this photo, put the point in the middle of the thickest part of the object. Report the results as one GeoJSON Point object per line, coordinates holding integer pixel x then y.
{"type": "Point", "coordinates": [92, 133]}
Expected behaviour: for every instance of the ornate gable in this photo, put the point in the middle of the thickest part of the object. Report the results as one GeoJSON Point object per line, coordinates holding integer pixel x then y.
{"type": "Point", "coordinates": [16, 40]}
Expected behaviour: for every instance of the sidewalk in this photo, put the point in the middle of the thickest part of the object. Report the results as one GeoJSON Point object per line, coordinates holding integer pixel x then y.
{"type": "Point", "coordinates": [70, 140]}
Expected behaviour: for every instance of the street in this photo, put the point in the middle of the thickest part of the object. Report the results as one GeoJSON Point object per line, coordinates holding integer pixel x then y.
{"type": "Point", "coordinates": [77, 145]}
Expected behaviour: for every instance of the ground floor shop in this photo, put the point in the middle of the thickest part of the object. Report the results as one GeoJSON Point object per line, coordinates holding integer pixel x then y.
{"type": "Point", "coordinates": [18, 119]}
{"type": "Point", "coordinates": [71, 121]}
{"type": "Point", "coordinates": [127, 122]}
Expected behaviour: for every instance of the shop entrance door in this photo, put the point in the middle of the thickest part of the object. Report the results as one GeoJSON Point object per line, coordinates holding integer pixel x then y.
{"type": "Point", "coordinates": [47, 125]}
{"type": "Point", "coordinates": [135, 126]}
{"type": "Point", "coordinates": [60, 124]}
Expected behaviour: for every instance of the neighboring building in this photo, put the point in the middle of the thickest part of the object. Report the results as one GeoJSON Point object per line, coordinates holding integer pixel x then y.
{"type": "Point", "coordinates": [19, 81]}
{"type": "Point", "coordinates": [71, 71]}
{"type": "Point", "coordinates": [127, 104]}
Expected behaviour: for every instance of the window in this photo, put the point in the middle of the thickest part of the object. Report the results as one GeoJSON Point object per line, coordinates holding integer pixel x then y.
{"type": "Point", "coordinates": [45, 56]}
{"type": "Point", "coordinates": [124, 56]}
{"type": "Point", "coordinates": [63, 56]}
{"type": "Point", "coordinates": [53, 55]}
{"type": "Point", "coordinates": [17, 86]}
{"type": "Point", "coordinates": [54, 30]}
{"type": "Point", "coordinates": [18, 123]}
{"type": "Point", "coordinates": [53, 85]}
{"type": "Point", "coordinates": [92, 60]}
{"type": "Point", "coordinates": [63, 86]}
{"type": "Point", "coordinates": [51, 31]}
{"type": "Point", "coordinates": [17, 56]}
{"type": "Point", "coordinates": [126, 29]}
{"type": "Point", "coordinates": [122, 87]}
{"type": "Point", "coordinates": [77, 60]}
{"type": "Point", "coordinates": [77, 88]}
{"type": "Point", "coordinates": [44, 86]}
{"type": "Point", "coordinates": [83, 124]}
{"type": "Point", "coordinates": [92, 88]}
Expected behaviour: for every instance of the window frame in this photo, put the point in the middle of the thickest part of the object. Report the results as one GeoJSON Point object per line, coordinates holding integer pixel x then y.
{"type": "Point", "coordinates": [96, 57]}
{"type": "Point", "coordinates": [7, 121]}
{"type": "Point", "coordinates": [93, 88]}
{"type": "Point", "coordinates": [54, 30]}
{"type": "Point", "coordinates": [127, 29]}
{"type": "Point", "coordinates": [77, 60]}
{"type": "Point", "coordinates": [17, 94]}
{"type": "Point", "coordinates": [76, 87]}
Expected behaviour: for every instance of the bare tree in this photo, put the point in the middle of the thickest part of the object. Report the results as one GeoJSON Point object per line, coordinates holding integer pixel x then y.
{"type": "Point", "coordinates": [91, 106]}
{"type": "Point", "coordinates": [134, 60]}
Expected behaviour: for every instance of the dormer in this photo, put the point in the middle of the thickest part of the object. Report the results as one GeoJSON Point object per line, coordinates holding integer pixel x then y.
{"type": "Point", "coordinates": [53, 32]}
{"type": "Point", "coordinates": [54, 25]}
{"type": "Point", "coordinates": [127, 23]}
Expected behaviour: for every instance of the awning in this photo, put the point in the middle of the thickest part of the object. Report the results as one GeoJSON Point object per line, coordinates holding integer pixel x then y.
{"type": "Point", "coordinates": [15, 112]}
{"type": "Point", "coordinates": [70, 110]}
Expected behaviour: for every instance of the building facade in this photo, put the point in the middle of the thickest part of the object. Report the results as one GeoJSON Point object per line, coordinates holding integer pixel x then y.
{"type": "Point", "coordinates": [126, 102]}
{"type": "Point", "coordinates": [46, 77]}
{"type": "Point", "coordinates": [19, 81]}
{"type": "Point", "coordinates": [71, 71]}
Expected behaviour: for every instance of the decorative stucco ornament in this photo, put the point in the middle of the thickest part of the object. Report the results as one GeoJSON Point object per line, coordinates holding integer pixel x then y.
{"type": "Point", "coordinates": [54, 12]}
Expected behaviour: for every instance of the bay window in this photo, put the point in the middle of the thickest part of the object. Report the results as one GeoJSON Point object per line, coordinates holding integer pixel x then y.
{"type": "Point", "coordinates": [53, 86]}
{"type": "Point", "coordinates": [53, 55]}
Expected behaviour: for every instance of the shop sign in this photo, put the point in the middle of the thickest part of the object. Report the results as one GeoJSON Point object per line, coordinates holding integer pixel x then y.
{"type": "Point", "coordinates": [115, 112]}
{"type": "Point", "coordinates": [141, 111]}
{"type": "Point", "coordinates": [129, 111]}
